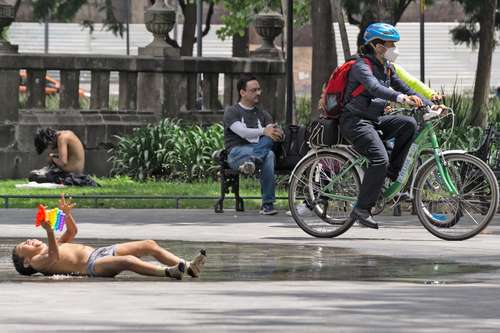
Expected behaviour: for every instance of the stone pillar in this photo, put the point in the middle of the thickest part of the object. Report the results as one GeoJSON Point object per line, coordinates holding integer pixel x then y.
{"type": "Point", "coordinates": [6, 18]}
{"type": "Point", "coordinates": [99, 90]}
{"type": "Point", "coordinates": [9, 84]}
{"type": "Point", "coordinates": [128, 91]}
{"type": "Point", "coordinates": [9, 99]}
{"type": "Point", "coordinates": [268, 25]}
{"type": "Point", "coordinates": [9, 95]}
{"type": "Point", "coordinates": [70, 83]}
{"type": "Point", "coordinates": [159, 20]}
{"type": "Point", "coordinates": [150, 94]}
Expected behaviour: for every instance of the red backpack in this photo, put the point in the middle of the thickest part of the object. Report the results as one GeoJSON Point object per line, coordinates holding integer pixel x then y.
{"type": "Point", "coordinates": [333, 93]}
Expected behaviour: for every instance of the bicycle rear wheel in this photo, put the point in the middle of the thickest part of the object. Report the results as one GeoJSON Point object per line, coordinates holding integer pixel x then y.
{"type": "Point", "coordinates": [313, 210]}
{"type": "Point", "coordinates": [461, 216]}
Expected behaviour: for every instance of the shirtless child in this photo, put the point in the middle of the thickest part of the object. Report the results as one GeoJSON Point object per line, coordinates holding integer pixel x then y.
{"type": "Point", "coordinates": [65, 149]}
{"type": "Point", "coordinates": [61, 256]}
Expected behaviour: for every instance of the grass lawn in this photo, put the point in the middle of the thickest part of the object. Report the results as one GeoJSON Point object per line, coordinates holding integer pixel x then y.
{"type": "Point", "coordinates": [125, 186]}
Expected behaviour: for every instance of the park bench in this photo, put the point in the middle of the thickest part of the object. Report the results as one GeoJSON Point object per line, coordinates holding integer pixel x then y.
{"type": "Point", "coordinates": [288, 152]}
{"type": "Point", "coordinates": [230, 181]}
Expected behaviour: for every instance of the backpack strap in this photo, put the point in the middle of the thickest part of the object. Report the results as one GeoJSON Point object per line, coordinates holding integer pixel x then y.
{"type": "Point", "coordinates": [359, 89]}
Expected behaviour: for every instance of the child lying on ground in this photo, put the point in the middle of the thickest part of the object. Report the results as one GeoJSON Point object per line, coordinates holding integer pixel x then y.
{"type": "Point", "coordinates": [61, 256]}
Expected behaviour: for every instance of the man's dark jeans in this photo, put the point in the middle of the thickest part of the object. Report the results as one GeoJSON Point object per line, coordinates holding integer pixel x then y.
{"type": "Point", "coordinates": [363, 135]}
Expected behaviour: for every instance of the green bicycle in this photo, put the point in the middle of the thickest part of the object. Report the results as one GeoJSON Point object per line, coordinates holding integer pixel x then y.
{"type": "Point", "coordinates": [454, 193]}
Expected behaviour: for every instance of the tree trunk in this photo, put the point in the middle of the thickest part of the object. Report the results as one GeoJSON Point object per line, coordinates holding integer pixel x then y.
{"type": "Point", "coordinates": [339, 14]}
{"type": "Point", "coordinates": [17, 4]}
{"type": "Point", "coordinates": [483, 72]}
{"type": "Point", "coordinates": [324, 56]}
{"type": "Point", "coordinates": [380, 11]}
{"type": "Point", "coordinates": [241, 45]}
{"type": "Point", "coordinates": [370, 15]}
{"type": "Point", "coordinates": [384, 10]}
{"type": "Point", "coordinates": [189, 29]}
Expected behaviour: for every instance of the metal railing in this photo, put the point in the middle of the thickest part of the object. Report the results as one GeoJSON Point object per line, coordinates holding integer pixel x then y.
{"type": "Point", "coordinates": [96, 198]}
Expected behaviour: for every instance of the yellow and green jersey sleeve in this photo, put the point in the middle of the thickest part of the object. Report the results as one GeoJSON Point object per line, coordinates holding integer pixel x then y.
{"type": "Point", "coordinates": [413, 82]}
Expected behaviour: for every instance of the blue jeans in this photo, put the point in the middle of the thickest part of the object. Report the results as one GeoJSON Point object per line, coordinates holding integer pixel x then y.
{"type": "Point", "coordinates": [262, 155]}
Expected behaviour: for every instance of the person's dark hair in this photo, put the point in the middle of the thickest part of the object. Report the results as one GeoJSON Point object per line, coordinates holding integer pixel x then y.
{"type": "Point", "coordinates": [368, 48]}
{"type": "Point", "coordinates": [242, 83]}
{"type": "Point", "coordinates": [43, 138]}
{"type": "Point", "coordinates": [19, 264]}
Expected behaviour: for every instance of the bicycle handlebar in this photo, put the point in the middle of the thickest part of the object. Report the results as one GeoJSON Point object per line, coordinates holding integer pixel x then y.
{"type": "Point", "coordinates": [425, 112]}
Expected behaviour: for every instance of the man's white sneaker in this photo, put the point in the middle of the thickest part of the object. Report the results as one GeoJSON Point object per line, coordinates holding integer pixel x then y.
{"type": "Point", "coordinates": [247, 168]}
{"type": "Point", "coordinates": [195, 266]}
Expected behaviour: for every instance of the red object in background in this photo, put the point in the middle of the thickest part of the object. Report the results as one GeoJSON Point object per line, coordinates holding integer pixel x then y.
{"type": "Point", "coordinates": [52, 86]}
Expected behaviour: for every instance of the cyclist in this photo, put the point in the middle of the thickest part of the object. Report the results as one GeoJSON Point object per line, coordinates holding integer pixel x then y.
{"type": "Point", "coordinates": [363, 116]}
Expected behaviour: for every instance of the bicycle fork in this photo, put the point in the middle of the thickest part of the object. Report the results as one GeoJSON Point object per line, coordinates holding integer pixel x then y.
{"type": "Point", "coordinates": [442, 165]}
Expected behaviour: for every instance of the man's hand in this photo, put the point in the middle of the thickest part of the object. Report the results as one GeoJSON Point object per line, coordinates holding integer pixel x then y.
{"type": "Point", "coordinates": [442, 109]}
{"type": "Point", "coordinates": [274, 132]}
{"type": "Point", "coordinates": [321, 102]}
{"type": "Point", "coordinates": [437, 98]}
{"type": "Point", "coordinates": [440, 106]}
{"type": "Point", "coordinates": [414, 100]}
{"type": "Point", "coordinates": [66, 207]}
{"type": "Point", "coordinates": [321, 105]}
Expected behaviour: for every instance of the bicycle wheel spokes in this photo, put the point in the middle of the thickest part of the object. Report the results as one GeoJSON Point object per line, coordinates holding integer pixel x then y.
{"type": "Point", "coordinates": [312, 193]}
{"type": "Point", "coordinates": [457, 216]}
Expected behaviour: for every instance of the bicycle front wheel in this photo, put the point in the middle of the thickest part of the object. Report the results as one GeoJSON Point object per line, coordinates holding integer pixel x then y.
{"type": "Point", "coordinates": [457, 216]}
{"type": "Point", "coordinates": [310, 196]}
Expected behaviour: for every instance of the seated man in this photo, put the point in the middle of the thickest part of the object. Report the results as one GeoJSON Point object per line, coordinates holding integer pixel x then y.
{"type": "Point", "coordinates": [61, 256]}
{"type": "Point", "coordinates": [66, 150]}
{"type": "Point", "coordinates": [249, 133]}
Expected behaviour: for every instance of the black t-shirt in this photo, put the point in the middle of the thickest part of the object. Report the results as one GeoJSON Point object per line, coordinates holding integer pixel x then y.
{"type": "Point", "coordinates": [249, 117]}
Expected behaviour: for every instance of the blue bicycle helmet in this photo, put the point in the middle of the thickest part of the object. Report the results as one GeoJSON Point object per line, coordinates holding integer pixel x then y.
{"type": "Point", "coordinates": [383, 31]}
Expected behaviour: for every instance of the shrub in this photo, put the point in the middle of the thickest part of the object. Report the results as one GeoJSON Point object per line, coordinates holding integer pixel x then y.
{"type": "Point", "coordinates": [169, 151]}
{"type": "Point", "coordinates": [466, 138]}
{"type": "Point", "coordinates": [303, 110]}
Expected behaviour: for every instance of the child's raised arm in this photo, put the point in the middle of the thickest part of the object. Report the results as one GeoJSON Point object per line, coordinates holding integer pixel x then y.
{"type": "Point", "coordinates": [43, 262]}
{"type": "Point", "coordinates": [71, 229]}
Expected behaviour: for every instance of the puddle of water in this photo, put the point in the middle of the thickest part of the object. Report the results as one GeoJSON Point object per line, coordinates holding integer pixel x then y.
{"type": "Point", "coordinates": [271, 262]}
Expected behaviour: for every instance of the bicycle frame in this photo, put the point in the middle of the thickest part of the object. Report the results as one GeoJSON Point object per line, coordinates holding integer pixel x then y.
{"type": "Point", "coordinates": [425, 140]}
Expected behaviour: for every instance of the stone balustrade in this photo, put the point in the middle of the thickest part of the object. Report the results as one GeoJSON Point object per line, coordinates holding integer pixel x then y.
{"type": "Point", "coordinates": [150, 88]}
{"type": "Point", "coordinates": [156, 84]}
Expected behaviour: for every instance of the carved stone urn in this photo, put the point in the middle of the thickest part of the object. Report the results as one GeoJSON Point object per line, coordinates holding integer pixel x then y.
{"type": "Point", "coordinates": [159, 20]}
{"type": "Point", "coordinates": [268, 25]}
{"type": "Point", "coordinates": [7, 16]}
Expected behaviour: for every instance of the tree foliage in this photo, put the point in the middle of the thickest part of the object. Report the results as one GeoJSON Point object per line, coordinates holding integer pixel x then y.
{"type": "Point", "coordinates": [468, 31]}
{"type": "Point", "coordinates": [240, 14]}
{"type": "Point", "coordinates": [478, 30]}
{"type": "Point", "coordinates": [362, 13]}
{"type": "Point", "coordinates": [66, 10]}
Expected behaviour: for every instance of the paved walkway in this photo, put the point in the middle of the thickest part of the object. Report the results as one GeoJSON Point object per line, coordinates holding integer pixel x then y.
{"type": "Point", "coordinates": [470, 302]}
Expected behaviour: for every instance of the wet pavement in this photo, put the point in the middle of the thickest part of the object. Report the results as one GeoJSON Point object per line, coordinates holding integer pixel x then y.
{"type": "Point", "coordinates": [261, 262]}
{"type": "Point", "coordinates": [263, 273]}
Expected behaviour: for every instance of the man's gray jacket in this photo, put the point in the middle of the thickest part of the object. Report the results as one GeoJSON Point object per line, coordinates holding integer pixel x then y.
{"type": "Point", "coordinates": [382, 85]}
